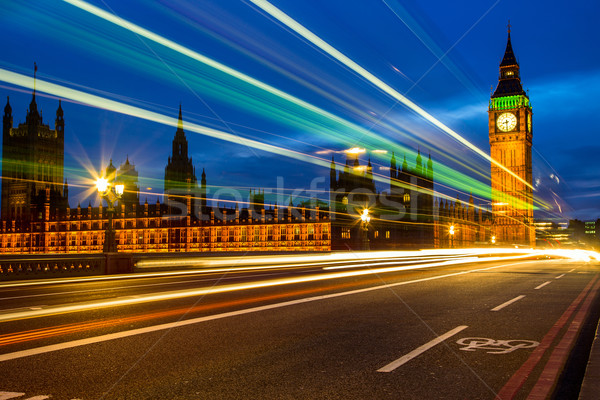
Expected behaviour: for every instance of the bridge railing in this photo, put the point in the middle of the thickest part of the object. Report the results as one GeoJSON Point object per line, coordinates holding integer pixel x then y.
{"type": "Point", "coordinates": [41, 266]}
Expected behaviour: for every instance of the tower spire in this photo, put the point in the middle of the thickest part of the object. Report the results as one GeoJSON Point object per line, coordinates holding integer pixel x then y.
{"type": "Point", "coordinates": [33, 116]}
{"type": "Point", "coordinates": [509, 82]}
{"type": "Point", "coordinates": [509, 58]}
{"type": "Point", "coordinates": [180, 121]}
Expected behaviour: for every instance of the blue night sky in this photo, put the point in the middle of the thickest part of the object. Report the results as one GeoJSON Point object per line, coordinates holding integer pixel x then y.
{"type": "Point", "coordinates": [443, 56]}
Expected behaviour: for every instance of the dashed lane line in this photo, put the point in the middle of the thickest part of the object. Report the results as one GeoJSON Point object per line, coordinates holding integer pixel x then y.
{"type": "Point", "coordinates": [542, 285]}
{"type": "Point", "coordinates": [10, 395]}
{"type": "Point", "coordinates": [508, 303]}
{"type": "Point", "coordinates": [14, 395]}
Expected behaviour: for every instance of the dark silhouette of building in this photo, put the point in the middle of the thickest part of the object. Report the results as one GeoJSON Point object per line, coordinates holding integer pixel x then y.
{"type": "Point", "coordinates": [181, 189]}
{"type": "Point", "coordinates": [128, 175]}
{"type": "Point", "coordinates": [401, 217]}
{"type": "Point", "coordinates": [32, 166]}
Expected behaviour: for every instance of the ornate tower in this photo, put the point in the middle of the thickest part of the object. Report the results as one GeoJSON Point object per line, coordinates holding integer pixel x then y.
{"type": "Point", "coordinates": [180, 174]}
{"type": "Point", "coordinates": [128, 175]}
{"type": "Point", "coordinates": [32, 164]}
{"type": "Point", "coordinates": [510, 144]}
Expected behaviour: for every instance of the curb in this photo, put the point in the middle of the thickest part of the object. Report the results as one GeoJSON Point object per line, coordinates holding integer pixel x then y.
{"type": "Point", "coordinates": [590, 387]}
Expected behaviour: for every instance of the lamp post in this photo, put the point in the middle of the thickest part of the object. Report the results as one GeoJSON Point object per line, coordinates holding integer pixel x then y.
{"type": "Point", "coordinates": [365, 219]}
{"type": "Point", "coordinates": [111, 193]}
{"type": "Point", "coordinates": [451, 232]}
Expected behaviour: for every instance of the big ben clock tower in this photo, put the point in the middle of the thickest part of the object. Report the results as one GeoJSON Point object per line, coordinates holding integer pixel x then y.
{"type": "Point", "coordinates": [510, 145]}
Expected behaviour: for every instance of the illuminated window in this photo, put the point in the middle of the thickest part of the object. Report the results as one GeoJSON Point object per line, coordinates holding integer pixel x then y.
{"type": "Point", "coordinates": [345, 200]}
{"type": "Point", "coordinates": [387, 234]}
{"type": "Point", "coordinates": [406, 197]}
{"type": "Point", "coordinates": [345, 233]}
{"type": "Point", "coordinates": [376, 234]}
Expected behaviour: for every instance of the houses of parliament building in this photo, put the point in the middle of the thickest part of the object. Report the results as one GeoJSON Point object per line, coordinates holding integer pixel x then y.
{"type": "Point", "coordinates": [36, 216]}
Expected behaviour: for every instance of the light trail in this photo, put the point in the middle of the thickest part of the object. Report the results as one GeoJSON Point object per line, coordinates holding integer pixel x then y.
{"type": "Point", "coordinates": [333, 52]}
{"type": "Point", "coordinates": [142, 32]}
{"type": "Point", "coordinates": [122, 108]}
{"type": "Point", "coordinates": [371, 268]}
{"type": "Point", "coordinates": [454, 178]}
{"type": "Point", "coordinates": [61, 330]}
{"type": "Point", "coordinates": [125, 301]}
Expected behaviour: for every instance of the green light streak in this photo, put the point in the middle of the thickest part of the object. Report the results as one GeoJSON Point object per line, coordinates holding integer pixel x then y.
{"type": "Point", "coordinates": [333, 52]}
{"type": "Point", "coordinates": [456, 179]}
{"type": "Point", "coordinates": [122, 108]}
{"type": "Point", "coordinates": [291, 113]}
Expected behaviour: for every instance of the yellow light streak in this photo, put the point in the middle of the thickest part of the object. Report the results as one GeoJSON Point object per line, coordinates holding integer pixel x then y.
{"type": "Point", "coordinates": [62, 309]}
{"type": "Point", "coordinates": [333, 52]}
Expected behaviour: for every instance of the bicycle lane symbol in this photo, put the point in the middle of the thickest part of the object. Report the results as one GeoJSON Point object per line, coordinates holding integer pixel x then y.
{"type": "Point", "coordinates": [495, 346]}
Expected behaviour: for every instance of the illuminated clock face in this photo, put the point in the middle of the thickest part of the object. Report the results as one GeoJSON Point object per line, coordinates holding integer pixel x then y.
{"type": "Point", "coordinates": [506, 122]}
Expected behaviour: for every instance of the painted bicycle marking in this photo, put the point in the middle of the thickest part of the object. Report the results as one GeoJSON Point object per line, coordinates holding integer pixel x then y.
{"type": "Point", "coordinates": [495, 346]}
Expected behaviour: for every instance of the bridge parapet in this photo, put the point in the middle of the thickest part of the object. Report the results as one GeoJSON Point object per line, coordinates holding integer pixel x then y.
{"type": "Point", "coordinates": [40, 266]}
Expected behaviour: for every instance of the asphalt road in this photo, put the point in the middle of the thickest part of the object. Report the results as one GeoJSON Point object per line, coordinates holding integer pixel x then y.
{"type": "Point", "coordinates": [502, 329]}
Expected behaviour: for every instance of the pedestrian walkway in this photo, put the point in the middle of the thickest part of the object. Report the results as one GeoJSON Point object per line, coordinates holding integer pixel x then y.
{"type": "Point", "coordinates": [590, 387]}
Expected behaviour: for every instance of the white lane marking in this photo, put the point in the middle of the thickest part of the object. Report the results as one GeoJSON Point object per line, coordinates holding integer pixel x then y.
{"type": "Point", "coordinates": [508, 303]}
{"type": "Point", "coordinates": [10, 395]}
{"type": "Point", "coordinates": [571, 270]}
{"type": "Point", "coordinates": [133, 332]}
{"type": "Point", "coordinates": [42, 397]}
{"type": "Point", "coordinates": [420, 350]}
{"type": "Point", "coordinates": [560, 276]}
{"type": "Point", "coordinates": [543, 284]}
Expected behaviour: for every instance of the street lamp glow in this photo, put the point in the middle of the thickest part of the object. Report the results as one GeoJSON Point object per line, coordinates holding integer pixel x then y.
{"type": "Point", "coordinates": [493, 239]}
{"type": "Point", "coordinates": [102, 185]}
{"type": "Point", "coordinates": [451, 231]}
{"type": "Point", "coordinates": [365, 216]}
{"type": "Point", "coordinates": [119, 189]}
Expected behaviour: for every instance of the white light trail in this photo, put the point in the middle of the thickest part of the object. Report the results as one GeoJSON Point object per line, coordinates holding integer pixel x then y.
{"type": "Point", "coordinates": [138, 30]}
{"type": "Point", "coordinates": [122, 108]}
{"type": "Point", "coordinates": [333, 52]}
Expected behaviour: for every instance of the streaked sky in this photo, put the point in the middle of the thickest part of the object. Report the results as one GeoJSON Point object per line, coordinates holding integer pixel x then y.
{"type": "Point", "coordinates": [262, 99]}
